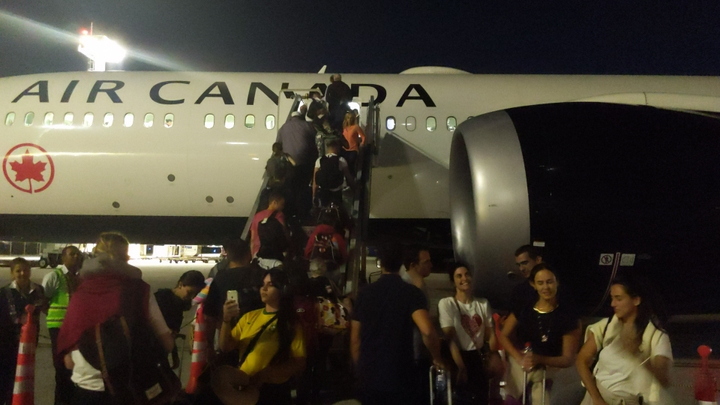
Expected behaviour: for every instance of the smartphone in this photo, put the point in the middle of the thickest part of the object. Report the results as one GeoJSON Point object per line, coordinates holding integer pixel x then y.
{"type": "Point", "coordinates": [232, 295]}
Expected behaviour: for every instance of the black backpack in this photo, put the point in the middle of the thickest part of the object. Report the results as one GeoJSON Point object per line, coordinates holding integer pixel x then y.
{"type": "Point", "coordinates": [330, 176]}
{"type": "Point", "coordinates": [273, 239]}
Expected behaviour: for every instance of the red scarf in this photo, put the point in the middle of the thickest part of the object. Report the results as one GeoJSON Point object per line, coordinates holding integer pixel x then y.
{"type": "Point", "coordinates": [96, 299]}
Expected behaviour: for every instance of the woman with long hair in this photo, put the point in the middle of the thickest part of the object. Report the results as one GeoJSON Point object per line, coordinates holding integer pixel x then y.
{"type": "Point", "coordinates": [551, 330]}
{"type": "Point", "coordinates": [467, 324]}
{"type": "Point", "coordinates": [633, 351]}
{"type": "Point", "coordinates": [271, 347]}
{"type": "Point", "coordinates": [351, 132]}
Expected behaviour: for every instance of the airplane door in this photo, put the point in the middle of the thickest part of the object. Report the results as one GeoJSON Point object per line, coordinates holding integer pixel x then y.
{"type": "Point", "coordinates": [290, 100]}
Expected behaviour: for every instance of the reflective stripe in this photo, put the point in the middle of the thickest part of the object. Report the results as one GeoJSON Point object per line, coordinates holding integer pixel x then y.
{"type": "Point", "coordinates": [26, 348]}
{"type": "Point", "coordinates": [24, 371]}
{"type": "Point", "coordinates": [59, 302]}
{"type": "Point", "coordinates": [23, 387]}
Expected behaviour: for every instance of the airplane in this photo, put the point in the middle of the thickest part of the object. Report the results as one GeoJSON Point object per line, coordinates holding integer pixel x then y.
{"type": "Point", "coordinates": [560, 161]}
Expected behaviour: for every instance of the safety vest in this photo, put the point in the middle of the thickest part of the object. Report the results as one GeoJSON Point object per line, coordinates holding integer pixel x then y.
{"type": "Point", "coordinates": [58, 302]}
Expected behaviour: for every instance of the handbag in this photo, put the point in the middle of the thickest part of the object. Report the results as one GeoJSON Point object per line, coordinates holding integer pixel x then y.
{"type": "Point", "coordinates": [492, 362]}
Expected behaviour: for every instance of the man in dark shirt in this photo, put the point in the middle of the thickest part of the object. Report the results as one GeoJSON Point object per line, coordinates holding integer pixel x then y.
{"type": "Point", "coordinates": [241, 276]}
{"type": "Point", "coordinates": [173, 302]}
{"type": "Point", "coordinates": [337, 95]}
{"type": "Point", "coordinates": [526, 257]}
{"type": "Point", "coordinates": [298, 140]}
{"type": "Point", "coordinates": [381, 340]}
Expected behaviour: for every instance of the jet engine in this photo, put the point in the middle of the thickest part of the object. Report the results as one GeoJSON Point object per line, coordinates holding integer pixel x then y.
{"type": "Point", "coordinates": [600, 188]}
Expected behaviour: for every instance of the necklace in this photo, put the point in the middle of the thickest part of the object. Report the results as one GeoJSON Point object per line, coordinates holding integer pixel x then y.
{"type": "Point", "coordinates": [543, 323]}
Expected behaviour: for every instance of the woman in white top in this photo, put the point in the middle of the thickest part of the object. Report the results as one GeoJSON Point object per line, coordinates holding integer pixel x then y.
{"type": "Point", "coordinates": [633, 351]}
{"type": "Point", "coordinates": [467, 324]}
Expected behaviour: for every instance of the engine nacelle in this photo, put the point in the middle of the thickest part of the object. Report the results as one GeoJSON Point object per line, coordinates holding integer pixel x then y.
{"type": "Point", "coordinates": [603, 187]}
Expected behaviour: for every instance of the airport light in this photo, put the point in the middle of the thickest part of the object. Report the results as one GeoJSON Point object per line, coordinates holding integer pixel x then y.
{"type": "Point", "coordinates": [100, 50]}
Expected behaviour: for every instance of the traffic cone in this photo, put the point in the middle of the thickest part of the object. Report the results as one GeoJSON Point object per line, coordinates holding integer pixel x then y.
{"type": "Point", "coordinates": [199, 352]}
{"type": "Point", "coordinates": [705, 391]}
{"type": "Point", "coordinates": [24, 390]}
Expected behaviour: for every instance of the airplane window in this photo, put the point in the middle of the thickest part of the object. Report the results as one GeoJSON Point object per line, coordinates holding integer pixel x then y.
{"type": "Point", "coordinates": [229, 121]}
{"type": "Point", "coordinates": [451, 123]}
{"type": "Point", "coordinates": [9, 118]}
{"type": "Point", "coordinates": [88, 120]}
{"type": "Point", "coordinates": [49, 118]}
{"type": "Point", "coordinates": [108, 120]}
{"type": "Point", "coordinates": [270, 121]}
{"type": "Point", "coordinates": [209, 121]}
{"type": "Point", "coordinates": [390, 123]}
{"type": "Point", "coordinates": [128, 120]}
{"type": "Point", "coordinates": [29, 117]}
{"type": "Point", "coordinates": [149, 118]}
{"type": "Point", "coordinates": [169, 120]}
{"type": "Point", "coordinates": [410, 123]}
{"type": "Point", "coordinates": [249, 121]}
{"type": "Point", "coordinates": [69, 117]}
{"type": "Point", "coordinates": [431, 124]}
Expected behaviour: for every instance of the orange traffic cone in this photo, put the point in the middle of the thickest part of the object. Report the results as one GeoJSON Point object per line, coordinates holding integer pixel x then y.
{"type": "Point", "coordinates": [199, 353]}
{"type": "Point", "coordinates": [24, 390]}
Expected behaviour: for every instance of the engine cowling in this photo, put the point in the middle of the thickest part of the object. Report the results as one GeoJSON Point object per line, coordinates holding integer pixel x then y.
{"type": "Point", "coordinates": [590, 182]}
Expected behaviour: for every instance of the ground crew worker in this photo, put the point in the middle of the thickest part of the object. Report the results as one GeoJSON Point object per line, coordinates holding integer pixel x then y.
{"type": "Point", "coordinates": [59, 284]}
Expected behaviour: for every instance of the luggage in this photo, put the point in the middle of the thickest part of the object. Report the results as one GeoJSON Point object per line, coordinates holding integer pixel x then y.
{"type": "Point", "coordinates": [440, 387]}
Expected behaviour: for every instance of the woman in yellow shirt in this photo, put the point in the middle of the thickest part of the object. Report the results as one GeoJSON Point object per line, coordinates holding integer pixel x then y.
{"type": "Point", "coordinates": [271, 347]}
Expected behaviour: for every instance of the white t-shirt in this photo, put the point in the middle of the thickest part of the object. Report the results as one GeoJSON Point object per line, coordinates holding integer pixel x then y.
{"type": "Point", "coordinates": [478, 309]}
{"type": "Point", "coordinates": [622, 372]}
{"type": "Point", "coordinates": [88, 377]}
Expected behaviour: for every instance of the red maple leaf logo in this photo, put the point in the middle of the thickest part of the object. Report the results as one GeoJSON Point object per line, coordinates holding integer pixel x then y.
{"type": "Point", "coordinates": [27, 170]}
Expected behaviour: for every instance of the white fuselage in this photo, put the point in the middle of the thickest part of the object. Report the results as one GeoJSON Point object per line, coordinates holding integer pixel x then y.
{"type": "Point", "coordinates": [191, 170]}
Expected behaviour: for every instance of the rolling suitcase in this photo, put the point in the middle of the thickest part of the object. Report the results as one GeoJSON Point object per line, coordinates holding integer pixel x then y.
{"type": "Point", "coordinates": [440, 387]}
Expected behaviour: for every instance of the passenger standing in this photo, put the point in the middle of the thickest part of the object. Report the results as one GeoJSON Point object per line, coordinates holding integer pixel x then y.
{"type": "Point", "coordinates": [351, 132]}
{"type": "Point", "coordinates": [174, 302]}
{"type": "Point", "coordinates": [526, 257]}
{"type": "Point", "coordinates": [240, 276]}
{"type": "Point", "coordinates": [467, 324]}
{"type": "Point", "coordinates": [276, 203]}
{"type": "Point", "coordinates": [298, 139]}
{"type": "Point", "coordinates": [418, 266]}
{"type": "Point", "coordinates": [13, 299]}
{"type": "Point", "coordinates": [633, 351]}
{"type": "Point", "coordinates": [271, 343]}
{"type": "Point", "coordinates": [317, 106]}
{"type": "Point", "coordinates": [338, 95]}
{"type": "Point", "coordinates": [382, 335]}
{"type": "Point", "coordinates": [59, 286]}
{"type": "Point", "coordinates": [280, 169]}
{"type": "Point", "coordinates": [330, 172]}
{"type": "Point", "coordinates": [98, 298]}
{"type": "Point", "coordinates": [553, 331]}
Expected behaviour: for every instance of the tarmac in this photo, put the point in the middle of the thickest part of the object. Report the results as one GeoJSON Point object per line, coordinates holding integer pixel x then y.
{"type": "Point", "coordinates": [165, 275]}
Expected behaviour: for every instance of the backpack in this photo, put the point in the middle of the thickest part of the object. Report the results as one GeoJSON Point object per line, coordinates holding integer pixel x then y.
{"type": "Point", "coordinates": [325, 248]}
{"type": "Point", "coordinates": [278, 169]}
{"type": "Point", "coordinates": [125, 349]}
{"type": "Point", "coordinates": [330, 176]}
{"type": "Point", "coordinates": [273, 240]}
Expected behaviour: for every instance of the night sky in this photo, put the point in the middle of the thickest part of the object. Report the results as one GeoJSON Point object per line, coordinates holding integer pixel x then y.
{"type": "Point", "coordinates": [681, 37]}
